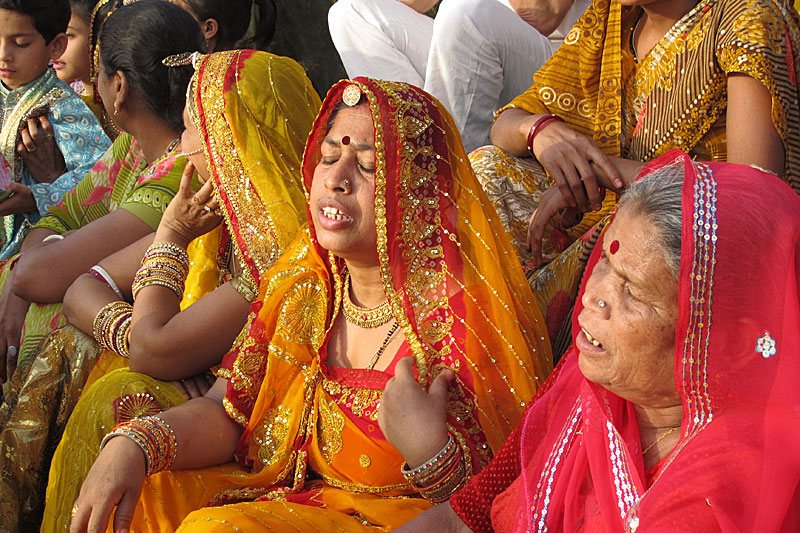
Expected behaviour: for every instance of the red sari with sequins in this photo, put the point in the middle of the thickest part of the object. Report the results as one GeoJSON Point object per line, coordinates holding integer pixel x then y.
{"type": "Point", "coordinates": [575, 463]}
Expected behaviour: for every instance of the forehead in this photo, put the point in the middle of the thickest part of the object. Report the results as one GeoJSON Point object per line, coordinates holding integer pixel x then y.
{"type": "Point", "coordinates": [639, 256]}
{"type": "Point", "coordinates": [13, 23]}
{"type": "Point", "coordinates": [355, 122]}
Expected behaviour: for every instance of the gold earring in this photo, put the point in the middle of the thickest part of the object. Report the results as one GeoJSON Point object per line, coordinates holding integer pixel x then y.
{"type": "Point", "coordinates": [116, 109]}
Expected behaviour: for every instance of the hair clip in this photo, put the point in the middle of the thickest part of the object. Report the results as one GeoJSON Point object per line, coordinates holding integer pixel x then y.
{"type": "Point", "coordinates": [351, 95]}
{"type": "Point", "coordinates": [184, 59]}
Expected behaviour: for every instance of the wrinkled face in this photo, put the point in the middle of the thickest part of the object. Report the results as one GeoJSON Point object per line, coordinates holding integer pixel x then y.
{"type": "Point", "coordinates": [74, 62]}
{"type": "Point", "coordinates": [628, 345]}
{"type": "Point", "coordinates": [192, 146]}
{"type": "Point", "coordinates": [343, 188]}
{"type": "Point", "coordinates": [24, 55]}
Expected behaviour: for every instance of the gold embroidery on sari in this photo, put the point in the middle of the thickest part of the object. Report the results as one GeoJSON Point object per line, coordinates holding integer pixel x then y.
{"type": "Point", "coordinates": [303, 313]}
{"type": "Point", "coordinates": [234, 413]}
{"type": "Point", "coordinates": [133, 405]}
{"type": "Point", "coordinates": [271, 434]}
{"type": "Point", "coordinates": [331, 424]}
{"type": "Point", "coordinates": [360, 401]}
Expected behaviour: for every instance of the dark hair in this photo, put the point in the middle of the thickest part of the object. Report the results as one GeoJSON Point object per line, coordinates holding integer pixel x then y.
{"type": "Point", "coordinates": [242, 23]}
{"type": "Point", "coordinates": [83, 8]}
{"type": "Point", "coordinates": [338, 107]}
{"type": "Point", "coordinates": [135, 38]}
{"type": "Point", "coordinates": [49, 17]}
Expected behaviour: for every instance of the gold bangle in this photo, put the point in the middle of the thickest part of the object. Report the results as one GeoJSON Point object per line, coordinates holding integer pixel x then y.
{"type": "Point", "coordinates": [243, 287]}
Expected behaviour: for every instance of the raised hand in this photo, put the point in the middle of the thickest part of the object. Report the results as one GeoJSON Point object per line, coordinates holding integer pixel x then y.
{"type": "Point", "coordinates": [414, 419]}
{"type": "Point", "coordinates": [39, 151]}
{"type": "Point", "coordinates": [189, 215]}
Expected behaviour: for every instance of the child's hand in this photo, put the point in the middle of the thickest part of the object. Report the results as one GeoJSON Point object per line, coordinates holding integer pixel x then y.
{"type": "Point", "coordinates": [22, 201]}
{"type": "Point", "coordinates": [39, 151]}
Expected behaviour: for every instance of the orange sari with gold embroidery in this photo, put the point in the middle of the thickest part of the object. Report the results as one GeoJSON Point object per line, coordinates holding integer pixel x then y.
{"type": "Point", "coordinates": [312, 457]}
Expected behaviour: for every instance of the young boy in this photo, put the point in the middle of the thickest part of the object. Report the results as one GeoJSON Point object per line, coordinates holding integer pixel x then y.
{"type": "Point", "coordinates": [36, 108]}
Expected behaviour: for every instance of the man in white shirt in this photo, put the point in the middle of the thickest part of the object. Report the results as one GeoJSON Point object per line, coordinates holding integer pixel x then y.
{"type": "Point", "coordinates": [475, 56]}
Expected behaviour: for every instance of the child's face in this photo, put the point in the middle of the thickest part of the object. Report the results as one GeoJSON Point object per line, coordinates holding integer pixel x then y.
{"type": "Point", "coordinates": [74, 63]}
{"type": "Point", "coordinates": [24, 56]}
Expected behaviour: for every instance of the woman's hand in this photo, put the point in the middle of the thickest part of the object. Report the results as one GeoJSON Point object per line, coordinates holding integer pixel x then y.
{"type": "Point", "coordinates": [189, 215]}
{"type": "Point", "coordinates": [195, 386]}
{"type": "Point", "coordinates": [577, 165]}
{"type": "Point", "coordinates": [12, 315]}
{"type": "Point", "coordinates": [115, 480]}
{"type": "Point", "coordinates": [39, 151]}
{"type": "Point", "coordinates": [22, 201]}
{"type": "Point", "coordinates": [551, 202]}
{"type": "Point", "coordinates": [413, 419]}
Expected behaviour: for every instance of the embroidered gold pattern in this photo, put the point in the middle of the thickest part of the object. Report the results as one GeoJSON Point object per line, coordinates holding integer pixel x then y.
{"type": "Point", "coordinates": [272, 433]}
{"type": "Point", "coordinates": [331, 424]}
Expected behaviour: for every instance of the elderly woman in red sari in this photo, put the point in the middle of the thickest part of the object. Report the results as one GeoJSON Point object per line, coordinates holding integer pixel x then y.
{"type": "Point", "coordinates": [388, 281]}
{"type": "Point", "coordinates": [676, 408]}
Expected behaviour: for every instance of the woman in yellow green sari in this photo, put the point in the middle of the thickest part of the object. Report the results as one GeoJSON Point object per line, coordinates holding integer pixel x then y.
{"type": "Point", "coordinates": [391, 272]}
{"type": "Point", "coordinates": [247, 141]}
{"type": "Point", "coordinates": [714, 78]}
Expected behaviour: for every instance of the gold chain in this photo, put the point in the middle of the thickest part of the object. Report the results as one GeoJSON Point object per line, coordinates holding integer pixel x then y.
{"type": "Point", "coordinates": [361, 316]}
{"type": "Point", "coordinates": [659, 439]}
{"type": "Point", "coordinates": [386, 341]}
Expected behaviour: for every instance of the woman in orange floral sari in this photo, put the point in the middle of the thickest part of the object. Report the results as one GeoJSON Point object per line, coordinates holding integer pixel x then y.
{"type": "Point", "coordinates": [390, 271]}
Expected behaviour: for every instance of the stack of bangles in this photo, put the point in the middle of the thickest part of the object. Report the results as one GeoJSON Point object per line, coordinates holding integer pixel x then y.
{"type": "Point", "coordinates": [112, 327]}
{"type": "Point", "coordinates": [164, 264]}
{"type": "Point", "coordinates": [538, 126]}
{"type": "Point", "coordinates": [440, 476]}
{"type": "Point", "coordinates": [154, 437]}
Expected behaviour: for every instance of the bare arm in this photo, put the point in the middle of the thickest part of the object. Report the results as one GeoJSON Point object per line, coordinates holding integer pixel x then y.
{"type": "Point", "coordinates": [420, 6]}
{"type": "Point", "coordinates": [205, 435]}
{"type": "Point", "coordinates": [544, 15]}
{"type": "Point", "coordinates": [752, 137]}
{"type": "Point", "coordinates": [36, 236]}
{"type": "Point", "coordinates": [45, 271]}
{"type": "Point", "coordinates": [440, 518]}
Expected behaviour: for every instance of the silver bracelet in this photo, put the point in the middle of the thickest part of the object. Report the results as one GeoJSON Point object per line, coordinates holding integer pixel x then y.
{"type": "Point", "coordinates": [100, 271]}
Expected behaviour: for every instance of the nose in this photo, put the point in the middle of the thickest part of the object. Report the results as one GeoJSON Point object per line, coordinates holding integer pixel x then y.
{"type": "Point", "coordinates": [595, 297]}
{"type": "Point", "coordinates": [340, 175]}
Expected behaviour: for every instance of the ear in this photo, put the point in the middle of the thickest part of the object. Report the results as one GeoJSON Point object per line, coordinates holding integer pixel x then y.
{"type": "Point", "coordinates": [210, 29]}
{"type": "Point", "coordinates": [57, 46]}
{"type": "Point", "coordinates": [121, 88]}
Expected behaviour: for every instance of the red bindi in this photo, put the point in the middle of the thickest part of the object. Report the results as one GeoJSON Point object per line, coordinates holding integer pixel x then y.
{"type": "Point", "coordinates": [614, 247]}
{"type": "Point", "coordinates": [346, 140]}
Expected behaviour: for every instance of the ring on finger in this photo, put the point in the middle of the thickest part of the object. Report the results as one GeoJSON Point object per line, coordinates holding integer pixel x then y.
{"type": "Point", "coordinates": [31, 150]}
{"type": "Point", "coordinates": [208, 209]}
{"type": "Point", "coordinates": [74, 510]}
{"type": "Point", "coordinates": [195, 199]}
{"type": "Point", "coordinates": [218, 212]}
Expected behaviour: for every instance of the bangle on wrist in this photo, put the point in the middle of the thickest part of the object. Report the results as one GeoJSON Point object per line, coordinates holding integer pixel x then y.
{"type": "Point", "coordinates": [538, 126]}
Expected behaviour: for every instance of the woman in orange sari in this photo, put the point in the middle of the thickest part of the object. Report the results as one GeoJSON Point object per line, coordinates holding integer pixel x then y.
{"type": "Point", "coordinates": [388, 274]}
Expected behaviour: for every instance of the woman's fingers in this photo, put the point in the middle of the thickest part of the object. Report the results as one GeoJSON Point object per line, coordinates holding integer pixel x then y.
{"type": "Point", "coordinates": [185, 186]}
{"type": "Point", "coordinates": [27, 142]}
{"type": "Point", "coordinates": [607, 167]}
{"type": "Point", "coordinates": [101, 512]}
{"type": "Point", "coordinates": [204, 194]}
{"type": "Point", "coordinates": [550, 203]}
{"type": "Point", "coordinates": [404, 369]}
{"type": "Point", "coordinates": [47, 127]}
{"type": "Point", "coordinates": [124, 514]}
{"type": "Point", "coordinates": [80, 517]}
{"type": "Point", "coordinates": [441, 385]}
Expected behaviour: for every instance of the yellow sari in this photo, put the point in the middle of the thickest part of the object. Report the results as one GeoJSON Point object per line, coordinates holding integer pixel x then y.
{"type": "Point", "coordinates": [312, 457]}
{"type": "Point", "coordinates": [674, 97]}
{"type": "Point", "coordinates": [253, 135]}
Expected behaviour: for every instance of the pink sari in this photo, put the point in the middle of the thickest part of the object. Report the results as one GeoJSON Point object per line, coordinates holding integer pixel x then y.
{"type": "Point", "coordinates": [576, 460]}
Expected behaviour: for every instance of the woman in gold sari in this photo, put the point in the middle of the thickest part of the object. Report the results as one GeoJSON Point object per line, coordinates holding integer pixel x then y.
{"type": "Point", "coordinates": [247, 141]}
{"type": "Point", "coordinates": [714, 78]}
{"type": "Point", "coordinates": [389, 273]}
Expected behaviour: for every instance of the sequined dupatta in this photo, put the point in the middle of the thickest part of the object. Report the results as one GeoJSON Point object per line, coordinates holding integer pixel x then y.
{"type": "Point", "coordinates": [254, 111]}
{"type": "Point", "coordinates": [581, 458]}
{"type": "Point", "coordinates": [456, 289]}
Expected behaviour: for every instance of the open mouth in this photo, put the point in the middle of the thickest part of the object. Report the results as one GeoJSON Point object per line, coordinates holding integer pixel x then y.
{"type": "Point", "coordinates": [335, 214]}
{"type": "Point", "coordinates": [591, 339]}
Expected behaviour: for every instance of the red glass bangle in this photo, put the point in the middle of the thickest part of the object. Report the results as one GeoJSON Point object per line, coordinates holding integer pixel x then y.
{"type": "Point", "coordinates": [538, 126]}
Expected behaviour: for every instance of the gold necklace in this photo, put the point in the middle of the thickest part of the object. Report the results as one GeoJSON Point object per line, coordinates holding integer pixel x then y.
{"type": "Point", "coordinates": [659, 439]}
{"type": "Point", "coordinates": [361, 316]}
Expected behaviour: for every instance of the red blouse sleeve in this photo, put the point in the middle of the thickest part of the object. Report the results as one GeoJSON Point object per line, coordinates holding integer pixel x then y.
{"type": "Point", "coordinates": [473, 503]}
